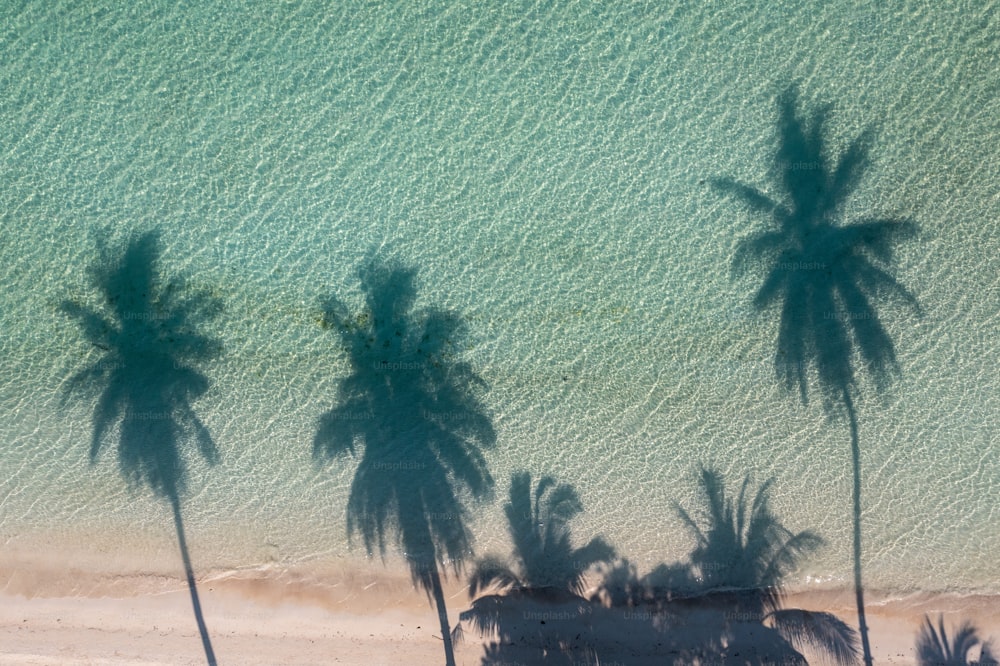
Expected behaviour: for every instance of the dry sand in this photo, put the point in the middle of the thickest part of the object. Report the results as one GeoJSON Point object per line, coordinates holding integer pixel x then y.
{"type": "Point", "coordinates": [271, 617]}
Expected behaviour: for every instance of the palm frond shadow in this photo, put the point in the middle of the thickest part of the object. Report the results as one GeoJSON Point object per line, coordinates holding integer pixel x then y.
{"type": "Point", "coordinates": [935, 649]}
{"type": "Point", "coordinates": [533, 607]}
{"type": "Point", "coordinates": [743, 554]}
{"type": "Point", "coordinates": [726, 604]}
{"type": "Point", "coordinates": [413, 411]}
{"type": "Point", "coordinates": [826, 276]}
{"type": "Point", "coordinates": [146, 376]}
{"type": "Point", "coordinates": [826, 279]}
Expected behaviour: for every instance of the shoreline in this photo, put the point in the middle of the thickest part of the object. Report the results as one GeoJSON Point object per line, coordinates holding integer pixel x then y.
{"type": "Point", "coordinates": [271, 615]}
{"type": "Point", "coordinates": [331, 582]}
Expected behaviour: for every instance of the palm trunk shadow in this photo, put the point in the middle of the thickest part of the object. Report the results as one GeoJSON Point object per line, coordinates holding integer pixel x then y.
{"type": "Point", "coordinates": [449, 650]}
{"type": "Point", "coordinates": [859, 592]}
{"type": "Point", "coordinates": [206, 642]}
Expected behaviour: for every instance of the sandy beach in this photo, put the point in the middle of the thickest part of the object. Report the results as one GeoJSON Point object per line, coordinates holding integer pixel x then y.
{"type": "Point", "coordinates": [291, 283]}
{"type": "Point", "coordinates": [284, 618]}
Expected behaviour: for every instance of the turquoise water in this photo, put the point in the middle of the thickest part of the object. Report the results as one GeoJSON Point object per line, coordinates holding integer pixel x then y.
{"type": "Point", "coordinates": [543, 166]}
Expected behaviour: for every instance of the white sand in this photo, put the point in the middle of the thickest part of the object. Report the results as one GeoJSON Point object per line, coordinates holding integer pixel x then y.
{"type": "Point", "coordinates": [259, 620]}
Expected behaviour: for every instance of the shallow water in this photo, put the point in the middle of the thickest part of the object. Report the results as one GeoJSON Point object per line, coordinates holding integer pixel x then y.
{"type": "Point", "coordinates": [543, 167]}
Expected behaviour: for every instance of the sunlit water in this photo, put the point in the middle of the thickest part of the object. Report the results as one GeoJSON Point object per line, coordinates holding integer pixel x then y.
{"type": "Point", "coordinates": [544, 167]}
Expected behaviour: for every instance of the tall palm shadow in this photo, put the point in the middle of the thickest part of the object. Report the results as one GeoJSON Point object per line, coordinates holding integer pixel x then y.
{"type": "Point", "coordinates": [414, 408]}
{"type": "Point", "coordinates": [935, 649]}
{"type": "Point", "coordinates": [827, 278]}
{"type": "Point", "coordinates": [538, 600]}
{"type": "Point", "coordinates": [742, 555]}
{"type": "Point", "coordinates": [146, 377]}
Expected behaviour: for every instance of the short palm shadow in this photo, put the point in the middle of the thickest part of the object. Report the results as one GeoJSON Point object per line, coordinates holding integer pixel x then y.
{"type": "Point", "coordinates": [414, 409]}
{"type": "Point", "coordinates": [935, 649]}
{"type": "Point", "coordinates": [535, 610]}
{"type": "Point", "coordinates": [658, 614]}
{"type": "Point", "coordinates": [622, 587]}
{"type": "Point", "coordinates": [146, 377]}
{"type": "Point", "coordinates": [826, 277]}
{"type": "Point", "coordinates": [742, 556]}
{"type": "Point", "coordinates": [726, 604]}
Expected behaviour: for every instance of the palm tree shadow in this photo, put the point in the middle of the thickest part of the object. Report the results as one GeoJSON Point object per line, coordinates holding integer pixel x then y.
{"type": "Point", "coordinates": [725, 604]}
{"type": "Point", "coordinates": [661, 613]}
{"type": "Point", "coordinates": [535, 608]}
{"type": "Point", "coordinates": [414, 408]}
{"type": "Point", "coordinates": [935, 649]}
{"type": "Point", "coordinates": [826, 277]}
{"type": "Point", "coordinates": [742, 555]}
{"type": "Point", "coordinates": [146, 377]}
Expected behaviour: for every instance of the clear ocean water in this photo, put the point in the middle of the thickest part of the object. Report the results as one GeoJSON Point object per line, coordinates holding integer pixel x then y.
{"type": "Point", "coordinates": [543, 167]}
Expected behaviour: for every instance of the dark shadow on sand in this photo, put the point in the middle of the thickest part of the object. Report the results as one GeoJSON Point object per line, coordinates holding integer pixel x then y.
{"type": "Point", "coordinates": [935, 648]}
{"type": "Point", "coordinates": [535, 608]}
{"type": "Point", "coordinates": [146, 377]}
{"type": "Point", "coordinates": [725, 605]}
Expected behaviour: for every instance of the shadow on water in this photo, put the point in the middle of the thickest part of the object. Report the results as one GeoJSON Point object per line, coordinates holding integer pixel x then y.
{"type": "Point", "coordinates": [146, 376]}
{"type": "Point", "coordinates": [535, 610]}
{"type": "Point", "coordinates": [935, 649]}
{"type": "Point", "coordinates": [414, 409]}
{"type": "Point", "coordinates": [826, 278]}
{"type": "Point", "coordinates": [743, 554]}
{"type": "Point", "coordinates": [725, 605]}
